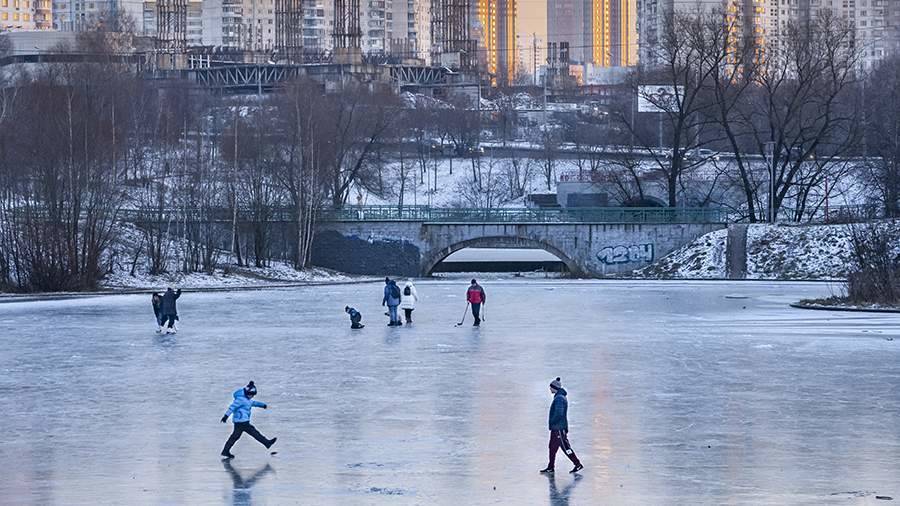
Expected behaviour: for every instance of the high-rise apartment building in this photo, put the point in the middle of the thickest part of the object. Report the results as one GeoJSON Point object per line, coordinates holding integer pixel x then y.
{"type": "Point", "coordinates": [247, 25]}
{"type": "Point", "coordinates": [318, 20]}
{"type": "Point", "coordinates": [599, 32]}
{"type": "Point", "coordinates": [25, 15]}
{"type": "Point", "coordinates": [145, 20]}
{"type": "Point", "coordinates": [495, 29]}
{"type": "Point", "coordinates": [763, 24]}
{"type": "Point", "coordinates": [82, 15]}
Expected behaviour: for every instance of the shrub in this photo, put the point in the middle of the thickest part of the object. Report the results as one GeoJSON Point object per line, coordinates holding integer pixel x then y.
{"type": "Point", "coordinates": [875, 277]}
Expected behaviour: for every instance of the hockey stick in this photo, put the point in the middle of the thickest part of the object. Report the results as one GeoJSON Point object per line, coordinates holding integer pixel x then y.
{"type": "Point", "coordinates": [464, 316]}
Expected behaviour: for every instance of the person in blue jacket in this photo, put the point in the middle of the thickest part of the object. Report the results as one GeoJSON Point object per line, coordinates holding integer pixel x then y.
{"type": "Point", "coordinates": [392, 300]}
{"type": "Point", "coordinates": [240, 408]}
{"type": "Point", "coordinates": [559, 428]}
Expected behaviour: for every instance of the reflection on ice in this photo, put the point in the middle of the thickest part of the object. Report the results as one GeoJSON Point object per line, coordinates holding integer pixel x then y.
{"type": "Point", "coordinates": [241, 495]}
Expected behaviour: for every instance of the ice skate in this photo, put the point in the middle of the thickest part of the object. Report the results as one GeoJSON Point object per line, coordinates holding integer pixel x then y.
{"type": "Point", "coordinates": [547, 470]}
{"type": "Point", "coordinates": [578, 467]}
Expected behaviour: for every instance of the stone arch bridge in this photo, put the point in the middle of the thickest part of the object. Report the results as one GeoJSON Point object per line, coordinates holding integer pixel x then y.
{"type": "Point", "coordinates": [412, 241]}
{"type": "Point", "coordinates": [590, 242]}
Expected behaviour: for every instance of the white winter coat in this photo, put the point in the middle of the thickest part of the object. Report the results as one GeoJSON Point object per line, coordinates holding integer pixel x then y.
{"type": "Point", "coordinates": [408, 301]}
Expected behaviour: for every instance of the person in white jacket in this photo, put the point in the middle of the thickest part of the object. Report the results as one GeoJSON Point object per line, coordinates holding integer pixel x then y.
{"type": "Point", "coordinates": [408, 299]}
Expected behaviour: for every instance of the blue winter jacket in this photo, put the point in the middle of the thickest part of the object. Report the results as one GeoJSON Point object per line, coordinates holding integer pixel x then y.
{"type": "Point", "coordinates": [389, 298]}
{"type": "Point", "coordinates": [241, 407]}
{"type": "Point", "coordinates": [558, 409]}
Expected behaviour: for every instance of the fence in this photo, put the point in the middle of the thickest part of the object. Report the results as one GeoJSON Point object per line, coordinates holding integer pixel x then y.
{"type": "Point", "coordinates": [525, 215]}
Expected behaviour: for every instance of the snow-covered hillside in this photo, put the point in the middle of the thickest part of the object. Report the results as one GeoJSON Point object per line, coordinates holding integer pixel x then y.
{"type": "Point", "coordinates": [702, 258]}
{"type": "Point", "coordinates": [130, 269]}
{"type": "Point", "coordinates": [773, 252]}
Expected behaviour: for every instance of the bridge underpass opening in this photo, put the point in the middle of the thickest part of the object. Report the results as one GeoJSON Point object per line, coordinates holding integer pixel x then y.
{"type": "Point", "coordinates": [518, 260]}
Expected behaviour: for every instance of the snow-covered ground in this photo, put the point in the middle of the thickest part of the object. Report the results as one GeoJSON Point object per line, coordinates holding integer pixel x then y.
{"type": "Point", "coordinates": [797, 252]}
{"type": "Point", "coordinates": [703, 258]}
{"type": "Point", "coordinates": [679, 393]}
{"type": "Point", "coordinates": [129, 245]}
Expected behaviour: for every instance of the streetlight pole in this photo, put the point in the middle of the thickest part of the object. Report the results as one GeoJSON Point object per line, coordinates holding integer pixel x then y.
{"type": "Point", "coordinates": [770, 150]}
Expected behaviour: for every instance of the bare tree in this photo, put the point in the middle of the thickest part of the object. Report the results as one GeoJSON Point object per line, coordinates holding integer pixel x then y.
{"type": "Point", "coordinates": [803, 110]}
{"type": "Point", "coordinates": [681, 67]}
{"type": "Point", "coordinates": [882, 135]}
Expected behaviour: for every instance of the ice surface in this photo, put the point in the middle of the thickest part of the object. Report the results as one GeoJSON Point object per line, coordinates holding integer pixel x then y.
{"type": "Point", "coordinates": [680, 393]}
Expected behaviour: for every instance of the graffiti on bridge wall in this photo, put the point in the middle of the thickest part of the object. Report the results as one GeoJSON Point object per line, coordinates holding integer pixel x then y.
{"type": "Point", "coordinates": [635, 253]}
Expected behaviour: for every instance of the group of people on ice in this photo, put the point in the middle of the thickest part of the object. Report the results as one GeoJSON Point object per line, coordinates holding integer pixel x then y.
{"type": "Point", "coordinates": [165, 308]}
{"type": "Point", "coordinates": [558, 424]}
{"type": "Point", "coordinates": [395, 298]}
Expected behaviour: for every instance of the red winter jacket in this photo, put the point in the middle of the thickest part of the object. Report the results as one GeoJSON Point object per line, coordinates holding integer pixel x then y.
{"type": "Point", "coordinates": [475, 295]}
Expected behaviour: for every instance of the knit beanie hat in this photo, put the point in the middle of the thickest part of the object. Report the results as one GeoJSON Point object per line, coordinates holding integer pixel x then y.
{"type": "Point", "coordinates": [250, 389]}
{"type": "Point", "coordinates": [556, 384]}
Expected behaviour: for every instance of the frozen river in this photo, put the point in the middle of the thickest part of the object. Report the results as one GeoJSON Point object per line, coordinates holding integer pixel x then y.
{"type": "Point", "coordinates": [679, 393]}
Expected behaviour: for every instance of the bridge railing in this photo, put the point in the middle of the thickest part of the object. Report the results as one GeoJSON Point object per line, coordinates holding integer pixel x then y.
{"type": "Point", "coordinates": [446, 215]}
{"type": "Point", "coordinates": [525, 215]}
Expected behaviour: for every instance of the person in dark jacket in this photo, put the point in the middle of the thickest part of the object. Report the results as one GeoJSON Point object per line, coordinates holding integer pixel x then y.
{"type": "Point", "coordinates": [355, 317]}
{"type": "Point", "coordinates": [392, 300]}
{"type": "Point", "coordinates": [169, 308]}
{"type": "Point", "coordinates": [156, 300]}
{"type": "Point", "coordinates": [240, 408]}
{"type": "Point", "coordinates": [559, 428]}
{"type": "Point", "coordinates": [475, 297]}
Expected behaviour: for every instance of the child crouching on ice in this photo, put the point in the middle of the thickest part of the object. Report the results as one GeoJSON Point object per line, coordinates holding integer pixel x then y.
{"type": "Point", "coordinates": [355, 317]}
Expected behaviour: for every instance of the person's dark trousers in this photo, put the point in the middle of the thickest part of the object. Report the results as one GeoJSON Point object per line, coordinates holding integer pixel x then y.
{"type": "Point", "coordinates": [170, 318]}
{"type": "Point", "coordinates": [408, 313]}
{"type": "Point", "coordinates": [476, 312]}
{"type": "Point", "coordinates": [159, 319]}
{"type": "Point", "coordinates": [559, 439]}
{"type": "Point", "coordinates": [240, 428]}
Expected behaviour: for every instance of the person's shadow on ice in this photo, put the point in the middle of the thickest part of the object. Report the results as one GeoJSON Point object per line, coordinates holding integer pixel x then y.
{"type": "Point", "coordinates": [242, 487]}
{"type": "Point", "coordinates": [561, 497]}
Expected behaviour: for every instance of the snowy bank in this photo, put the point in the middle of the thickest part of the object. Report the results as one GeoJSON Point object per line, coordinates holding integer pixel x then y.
{"type": "Point", "coordinates": [703, 258]}
{"type": "Point", "coordinates": [130, 268]}
{"type": "Point", "coordinates": [774, 252]}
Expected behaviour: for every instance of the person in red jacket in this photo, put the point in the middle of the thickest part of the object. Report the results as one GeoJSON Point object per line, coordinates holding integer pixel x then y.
{"type": "Point", "coordinates": [475, 296]}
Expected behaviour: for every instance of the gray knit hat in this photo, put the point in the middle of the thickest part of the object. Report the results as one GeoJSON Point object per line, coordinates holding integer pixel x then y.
{"type": "Point", "coordinates": [556, 384]}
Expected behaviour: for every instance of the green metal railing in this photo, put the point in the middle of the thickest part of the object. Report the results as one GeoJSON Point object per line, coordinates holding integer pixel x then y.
{"type": "Point", "coordinates": [525, 215]}
{"type": "Point", "coordinates": [442, 215]}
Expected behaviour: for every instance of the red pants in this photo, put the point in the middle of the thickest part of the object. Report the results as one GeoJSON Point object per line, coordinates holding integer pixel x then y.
{"type": "Point", "coordinates": [559, 439]}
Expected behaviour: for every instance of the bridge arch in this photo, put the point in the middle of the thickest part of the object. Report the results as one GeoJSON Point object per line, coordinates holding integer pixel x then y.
{"type": "Point", "coordinates": [432, 259]}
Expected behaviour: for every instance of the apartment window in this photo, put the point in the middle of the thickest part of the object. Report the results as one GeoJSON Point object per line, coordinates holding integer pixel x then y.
{"type": "Point", "coordinates": [15, 16]}
{"type": "Point", "coordinates": [5, 3]}
{"type": "Point", "coordinates": [4, 16]}
{"type": "Point", "coordinates": [26, 17]}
